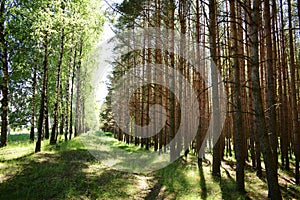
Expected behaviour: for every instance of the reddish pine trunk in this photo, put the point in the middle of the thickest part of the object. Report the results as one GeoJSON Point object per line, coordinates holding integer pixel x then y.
{"type": "Point", "coordinates": [271, 171]}
{"type": "Point", "coordinates": [293, 94]}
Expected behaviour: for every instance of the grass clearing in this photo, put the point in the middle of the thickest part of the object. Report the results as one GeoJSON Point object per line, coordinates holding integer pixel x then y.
{"type": "Point", "coordinates": [68, 171]}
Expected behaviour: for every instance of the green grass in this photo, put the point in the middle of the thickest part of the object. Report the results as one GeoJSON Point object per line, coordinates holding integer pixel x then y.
{"type": "Point", "coordinates": [68, 171]}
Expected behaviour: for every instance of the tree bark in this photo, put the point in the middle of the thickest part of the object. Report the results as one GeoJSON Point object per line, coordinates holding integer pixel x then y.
{"type": "Point", "coordinates": [239, 135]}
{"type": "Point", "coordinates": [57, 95]}
{"type": "Point", "coordinates": [271, 171]}
{"type": "Point", "coordinates": [285, 133]}
{"type": "Point", "coordinates": [78, 92]}
{"type": "Point", "coordinates": [4, 86]}
{"type": "Point", "coordinates": [293, 95]}
{"type": "Point", "coordinates": [71, 95]}
{"type": "Point", "coordinates": [271, 81]}
{"type": "Point", "coordinates": [172, 104]}
{"type": "Point", "coordinates": [46, 115]}
{"type": "Point", "coordinates": [67, 94]}
{"type": "Point", "coordinates": [43, 95]}
{"type": "Point", "coordinates": [33, 101]}
{"type": "Point", "coordinates": [215, 88]}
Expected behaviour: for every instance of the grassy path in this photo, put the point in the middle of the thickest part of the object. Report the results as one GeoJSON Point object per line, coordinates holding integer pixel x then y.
{"type": "Point", "coordinates": [69, 171]}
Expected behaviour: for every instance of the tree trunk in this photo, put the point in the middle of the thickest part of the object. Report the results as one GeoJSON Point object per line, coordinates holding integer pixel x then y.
{"type": "Point", "coordinates": [271, 81]}
{"type": "Point", "coordinates": [293, 94]}
{"type": "Point", "coordinates": [67, 94]}
{"type": "Point", "coordinates": [43, 95]}
{"type": "Point", "coordinates": [46, 128]}
{"type": "Point", "coordinates": [62, 110]}
{"type": "Point", "coordinates": [71, 95]}
{"type": "Point", "coordinates": [238, 131]}
{"type": "Point", "coordinates": [4, 86]}
{"type": "Point", "coordinates": [172, 104]}
{"type": "Point", "coordinates": [285, 133]}
{"type": "Point", "coordinates": [83, 128]}
{"type": "Point", "coordinates": [215, 88]}
{"type": "Point", "coordinates": [33, 101]}
{"type": "Point", "coordinates": [57, 94]}
{"type": "Point", "coordinates": [271, 171]}
{"type": "Point", "coordinates": [78, 92]}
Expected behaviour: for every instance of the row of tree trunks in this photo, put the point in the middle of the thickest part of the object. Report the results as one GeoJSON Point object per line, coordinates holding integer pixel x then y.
{"type": "Point", "coordinates": [253, 94]}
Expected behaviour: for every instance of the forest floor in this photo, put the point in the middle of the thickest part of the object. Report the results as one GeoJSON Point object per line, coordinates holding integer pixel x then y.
{"type": "Point", "coordinates": [68, 171]}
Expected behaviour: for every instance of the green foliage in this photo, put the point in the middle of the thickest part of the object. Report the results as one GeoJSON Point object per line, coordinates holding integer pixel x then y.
{"type": "Point", "coordinates": [27, 23]}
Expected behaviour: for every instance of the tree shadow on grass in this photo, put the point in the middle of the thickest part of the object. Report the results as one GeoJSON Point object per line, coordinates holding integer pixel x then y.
{"type": "Point", "coordinates": [63, 176]}
{"type": "Point", "coordinates": [228, 187]}
{"type": "Point", "coordinates": [154, 192]}
{"type": "Point", "coordinates": [290, 192]}
{"type": "Point", "coordinates": [173, 178]}
{"type": "Point", "coordinates": [202, 183]}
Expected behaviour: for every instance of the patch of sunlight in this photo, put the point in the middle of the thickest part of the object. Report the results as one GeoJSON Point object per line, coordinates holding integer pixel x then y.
{"type": "Point", "coordinates": [142, 181]}
{"type": "Point", "coordinates": [189, 196]}
{"type": "Point", "coordinates": [117, 155]}
{"type": "Point", "coordinates": [9, 153]}
{"type": "Point", "coordinates": [254, 186]}
{"type": "Point", "coordinates": [132, 190]}
{"type": "Point", "coordinates": [93, 170]}
{"type": "Point", "coordinates": [2, 165]}
{"type": "Point", "coordinates": [193, 176]}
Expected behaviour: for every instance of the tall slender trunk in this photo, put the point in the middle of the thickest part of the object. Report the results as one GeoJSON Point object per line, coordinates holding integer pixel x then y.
{"type": "Point", "coordinates": [293, 94]}
{"type": "Point", "coordinates": [272, 177]}
{"type": "Point", "coordinates": [250, 98]}
{"type": "Point", "coordinates": [271, 82]}
{"type": "Point", "coordinates": [285, 134]}
{"type": "Point", "coordinates": [83, 128]}
{"type": "Point", "coordinates": [199, 86]}
{"type": "Point", "coordinates": [148, 88]}
{"type": "Point", "coordinates": [33, 101]}
{"type": "Point", "coordinates": [239, 135]}
{"type": "Point", "coordinates": [4, 86]}
{"type": "Point", "coordinates": [43, 95]}
{"type": "Point", "coordinates": [67, 94]}
{"type": "Point", "coordinates": [172, 104]}
{"type": "Point", "coordinates": [215, 88]}
{"type": "Point", "coordinates": [62, 109]}
{"type": "Point", "coordinates": [71, 95]}
{"type": "Point", "coordinates": [46, 115]}
{"type": "Point", "coordinates": [183, 5]}
{"type": "Point", "coordinates": [78, 92]}
{"type": "Point", "coordinates": [158, 75]}
{"type": "Point", "coordinates": [57, 93]}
